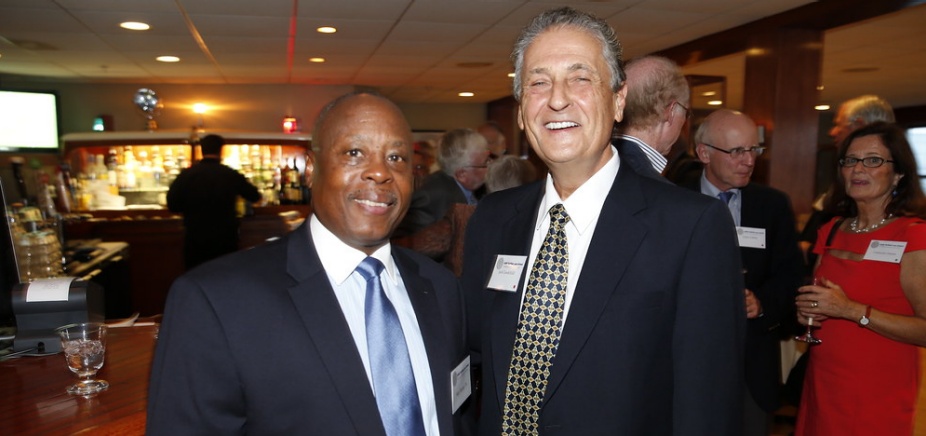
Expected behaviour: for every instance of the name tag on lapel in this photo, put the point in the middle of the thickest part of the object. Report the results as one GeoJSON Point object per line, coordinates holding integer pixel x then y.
{"type": "Point", "coordinates": [460, 384]}
{"type": "Point", "coordinates": [507, 272]}
{"type": "Point", "coordinates": [885, 251]}
{"type": "Point", "coordinates": [751, 237]}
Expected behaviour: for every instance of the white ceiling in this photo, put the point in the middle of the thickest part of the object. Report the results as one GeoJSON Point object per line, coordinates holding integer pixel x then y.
{"type": "Point", "coordinates": [412, 51]}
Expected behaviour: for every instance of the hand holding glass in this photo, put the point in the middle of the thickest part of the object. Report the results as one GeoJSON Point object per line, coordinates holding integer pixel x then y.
{"type": "Point", "coordinates": [84, 348]}
{"type": "Point", "coordinates": [808, 336]}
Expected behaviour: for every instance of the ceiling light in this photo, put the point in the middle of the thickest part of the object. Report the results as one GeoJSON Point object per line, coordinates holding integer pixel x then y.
{"type": "Point", "coordinates": [134, 25]}
{"type": "Point", "coordinates": [317, 60]}
{"type": "Point", "coordinates": [819, 87]}
{"type": "Point", "coordinates": [715, 102]}
{"type": "Point", "coordinates": [466, 94]}
{"type": "Point", "coordinates": [200, 108]}
{"type": "Point", "coordinates": [168, 59]}
{"type": "Point", "coordinates": [708, 93]}
{"type": "Point", "coordinates": [326, 29]}
{"type": "Point", "coordinates": [822, 107]}
{"type": "Point", "coordinates": [511, 75]}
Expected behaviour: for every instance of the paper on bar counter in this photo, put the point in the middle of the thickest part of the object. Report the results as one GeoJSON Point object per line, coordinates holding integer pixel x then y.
{"type": "Point", "coordinates": [53, 289]}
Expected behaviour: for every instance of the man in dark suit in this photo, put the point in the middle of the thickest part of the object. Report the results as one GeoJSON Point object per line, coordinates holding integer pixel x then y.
{"type": "Point", "coordinates": [657, 109]}
{"type": "Point", "coordinates": [632, 317]}
{"type": "Point", "coordinates": [727, 144]}
{"type": "Point", "coordinates": [464, 158]}
{"type": "Point", "coordinates": [283, 338]}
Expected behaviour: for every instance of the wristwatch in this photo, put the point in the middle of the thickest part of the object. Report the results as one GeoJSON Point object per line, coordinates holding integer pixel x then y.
{"type": "Point", "coordinates": [864, 320]}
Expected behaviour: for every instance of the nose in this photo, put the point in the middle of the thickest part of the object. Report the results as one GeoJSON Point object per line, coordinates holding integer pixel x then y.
{"type": "Point", "coordinates": [559, 96]}
{"type": "Point", "coordinates": [377, 170]}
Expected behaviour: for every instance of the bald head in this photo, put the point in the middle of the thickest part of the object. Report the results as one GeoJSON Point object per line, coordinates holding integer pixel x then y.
{"type": "Point", "coordinates": [658, 100]}
{"type": "Point", "coordinates": [727, 142]}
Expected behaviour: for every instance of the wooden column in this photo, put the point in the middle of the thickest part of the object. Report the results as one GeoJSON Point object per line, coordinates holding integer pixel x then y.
{"type": "Point", "coordinates": [783, 70]}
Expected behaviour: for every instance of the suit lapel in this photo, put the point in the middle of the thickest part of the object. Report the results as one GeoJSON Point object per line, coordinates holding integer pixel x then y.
{"type": "Point", "coordinates": [516, 234]}
{"type": "Point", "coordinates": [325, 324]}
{"type": "Point", "coordinates": [617, 238]}
{"type": "Point", "coordinates": [438, 344]}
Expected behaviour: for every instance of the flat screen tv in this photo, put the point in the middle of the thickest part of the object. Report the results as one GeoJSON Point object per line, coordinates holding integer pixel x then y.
{"type": "Point", "coordinates": [28, 121]}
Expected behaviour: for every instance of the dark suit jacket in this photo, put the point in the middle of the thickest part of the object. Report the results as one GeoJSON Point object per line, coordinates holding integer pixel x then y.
{"type": "Point", "coordinates": [632, 155]}
{"type": "Point", "coordinates": [653, 341]}
{"type": "Point", "coordinates": [773, 274]}
{"type": "Point", "coordinates": [430, 203]}
{"type": "Point", "coordinates": [256, 343]}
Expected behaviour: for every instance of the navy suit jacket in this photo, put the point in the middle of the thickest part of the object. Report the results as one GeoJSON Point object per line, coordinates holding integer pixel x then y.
{"type": "Point", "coordinates": [632, 155]}
{"type": "Point", "coordinates": [431, 202]}
{"type": "Point", "coordinates": [773, 274]}
{"type": "Point", "coordinates": [653, 341]}
{"type": "Point", "coordinates": [256, 343]}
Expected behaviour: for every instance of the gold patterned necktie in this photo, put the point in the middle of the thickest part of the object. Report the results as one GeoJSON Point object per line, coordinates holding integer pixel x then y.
{"type": "Point", "coordinates": [539, 330]}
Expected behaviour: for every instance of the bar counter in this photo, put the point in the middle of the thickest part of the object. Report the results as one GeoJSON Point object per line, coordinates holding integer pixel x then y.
{"type": "Point", "coordinates": [34, 401]}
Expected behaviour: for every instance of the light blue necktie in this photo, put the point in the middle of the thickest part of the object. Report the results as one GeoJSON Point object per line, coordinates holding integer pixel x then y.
{"type": "Point", "coordinates": [725, 196]}
{"type": "Point", "coordinates": [393, 378]}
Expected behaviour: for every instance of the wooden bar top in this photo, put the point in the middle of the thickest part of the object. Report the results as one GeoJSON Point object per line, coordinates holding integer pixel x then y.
{"type": "Point", "coordinates": [33, 399]}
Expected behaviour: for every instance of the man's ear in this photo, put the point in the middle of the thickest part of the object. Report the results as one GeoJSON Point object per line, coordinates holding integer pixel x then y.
{"type": "Point", "coordinates": [309, 168]}
{"type": "Point", "coordinates": [701, 153]}
{"type": "Point", "coordinates": [620, 100]}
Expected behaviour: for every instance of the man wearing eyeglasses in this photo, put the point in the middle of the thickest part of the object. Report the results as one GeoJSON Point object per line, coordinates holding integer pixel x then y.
{"type": "Point", "coordinates": [727, 144]}
{"type": "Point", "coordinates": [657, 108]}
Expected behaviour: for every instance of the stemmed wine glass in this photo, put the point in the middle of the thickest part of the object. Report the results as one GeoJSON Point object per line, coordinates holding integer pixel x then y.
{"type": "Point", "coordinates": [808, 336]}
{"type": "Point", "coordinates": [84, 347]}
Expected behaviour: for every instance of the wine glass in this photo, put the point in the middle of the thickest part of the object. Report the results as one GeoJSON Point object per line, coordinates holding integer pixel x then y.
{"type": "Point", "coordinates": [84, 347]}
{"type": "Point", "coordinates": [808, 336]}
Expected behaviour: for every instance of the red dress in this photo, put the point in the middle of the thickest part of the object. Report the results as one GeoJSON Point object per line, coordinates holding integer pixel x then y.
{"type": "Point", "coordinates": [859, 382]}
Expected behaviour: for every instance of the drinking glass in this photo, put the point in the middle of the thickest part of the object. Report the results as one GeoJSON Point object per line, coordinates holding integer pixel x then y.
{"type": "Point", "coordinates": [84, 347]}
{"type": "Point", "coordinates": [808, 336]}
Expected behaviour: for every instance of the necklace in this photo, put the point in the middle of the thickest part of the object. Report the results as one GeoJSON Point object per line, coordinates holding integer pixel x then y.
{"type": "Point", "coordinates": [853, 226]}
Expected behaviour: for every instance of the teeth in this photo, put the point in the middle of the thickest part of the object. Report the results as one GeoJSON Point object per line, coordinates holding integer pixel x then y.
{"type": "Point", "coordinates": [372, 203]}
{"type": "Point", "coordinates": [561, 125]}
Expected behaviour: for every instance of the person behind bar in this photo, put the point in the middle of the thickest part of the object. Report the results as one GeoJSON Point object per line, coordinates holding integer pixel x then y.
{"type": "Point", "coordinates": [206, 194]}
{"type": "Point", "coordinates": [602, 301]}
{"type": "Point", "coordinates": [329, 330]}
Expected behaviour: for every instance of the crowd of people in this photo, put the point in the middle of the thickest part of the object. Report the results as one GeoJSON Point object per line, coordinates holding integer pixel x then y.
{"type": "Point", "coordinates": [594, 296]}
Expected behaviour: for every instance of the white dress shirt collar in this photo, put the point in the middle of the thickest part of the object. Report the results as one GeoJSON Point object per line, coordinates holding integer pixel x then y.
{"type": "Point", "coordinates": [656, 159]}
{"type": "Point", "coordinates": [339, 259]}
{"type": "Point", "coordinates": [585, 203]}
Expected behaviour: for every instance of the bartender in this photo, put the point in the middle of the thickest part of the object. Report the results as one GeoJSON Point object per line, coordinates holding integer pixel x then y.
{"type": "Point", "coordinates": [206, 194]}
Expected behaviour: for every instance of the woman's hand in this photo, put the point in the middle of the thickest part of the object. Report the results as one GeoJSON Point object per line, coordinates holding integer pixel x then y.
{"type": "Point", "coordinates": [822, 301]}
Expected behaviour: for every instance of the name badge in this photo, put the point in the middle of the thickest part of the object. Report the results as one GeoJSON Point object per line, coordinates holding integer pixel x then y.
{"type": "Point", "coordinates": [885, 251]}
{"type": "Point", "coordinates": [507, 272]}
{"type": "Point", "coordinates": [460, 384]}
{"type": "Point", "coordinates": [751, 237]}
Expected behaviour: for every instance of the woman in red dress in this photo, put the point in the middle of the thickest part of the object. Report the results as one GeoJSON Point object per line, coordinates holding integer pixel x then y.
{"type": "Point", "coordinates": [870, 304]}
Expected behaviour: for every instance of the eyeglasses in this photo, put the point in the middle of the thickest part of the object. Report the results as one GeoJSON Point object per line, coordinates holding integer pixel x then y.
{"type": "Point", "coordinates": [867, 162]}
{"type": "Point", "coordinates": [685, 108]}
{"type": "Point", "coordinates": [739, 152]}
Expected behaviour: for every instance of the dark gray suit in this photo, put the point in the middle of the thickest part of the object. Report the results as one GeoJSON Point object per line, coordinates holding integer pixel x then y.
{"type": "Point", "coordinates": [256, 343]}
{"type": "Point", "coordinates": [653, 341]}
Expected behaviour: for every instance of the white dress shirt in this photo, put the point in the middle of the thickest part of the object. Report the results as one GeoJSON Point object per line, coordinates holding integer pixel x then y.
{"type": "Point", "coordinates": [583, 207]}
{"type": "Point", "coordinates": [340, 261]}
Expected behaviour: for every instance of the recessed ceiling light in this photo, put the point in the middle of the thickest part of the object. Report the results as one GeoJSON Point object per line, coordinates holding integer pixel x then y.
{"type": "Point", "coordinates": [466, 94]}
{"type": "Point", "coordinates": [317, 60]}
{"type": "Point", "coordinates": [708, 93]}
{"type": "Point", "coordinates": [819, 87]}
{"type": "Point", "coordinates": [134, 25]}
{"type": "Point", "coordinates": [168, 59]}
{"type": "Point", "coordinates": [511, 75]}
{"type": "Point", "coordinates": [715, 102]}
{"type": "Point", "coordinates": [200, 108]}
{"type": "Point", "coordinates": [822, 107]}
{"type": "Point", "coordinates": [326, 29]}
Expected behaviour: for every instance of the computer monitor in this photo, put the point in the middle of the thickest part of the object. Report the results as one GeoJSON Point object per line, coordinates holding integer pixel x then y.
{"type": "Point", "coordinates": [9, 270]}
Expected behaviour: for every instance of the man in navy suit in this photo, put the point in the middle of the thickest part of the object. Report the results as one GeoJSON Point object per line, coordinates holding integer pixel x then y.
{"type": "Point", "coordinates": [657, 109]}
{"type": "Point", "coordinates": [728, 145]}
{"type": "Point", "coordinates": [273, 340]}
{"type": "Point", "coordinates": [650, 319]}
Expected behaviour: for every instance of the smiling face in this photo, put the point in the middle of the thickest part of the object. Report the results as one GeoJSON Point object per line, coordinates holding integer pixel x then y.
{"type": "Point", "coordinates": [567, 106]}
{"type": "Point", "coordinates": [869, 185]}
{"type": "Point", "coordinates": [361, 175]}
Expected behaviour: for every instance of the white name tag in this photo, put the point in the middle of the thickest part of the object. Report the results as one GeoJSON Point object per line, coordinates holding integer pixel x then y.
{"type": "Point", "coordinates": [885, 251]}
{"type": "Point", "coordinates": [751, 237]}
{"type": "Point", "coordinates": [460, 384]}
{"type": "Point", "coordinates": [507, 272]}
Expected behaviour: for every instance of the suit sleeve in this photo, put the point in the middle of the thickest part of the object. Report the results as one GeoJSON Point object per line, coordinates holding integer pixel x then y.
{"type": "Point", "coordinates": [783, 277]}
{"type": "Point", "coordinates": [194, 386]}
{"type": "Point", "coordinates": [709, 331]}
